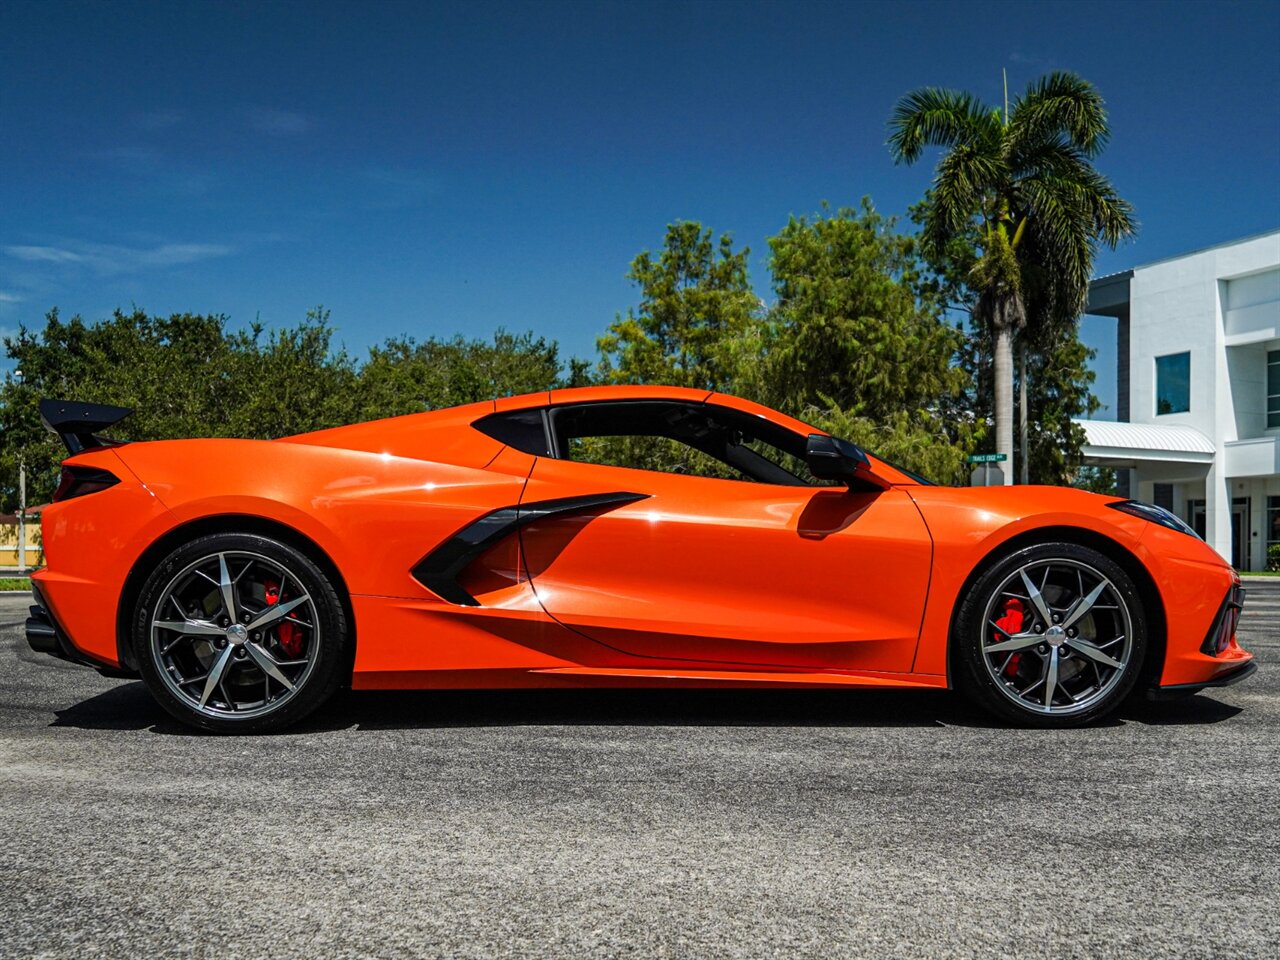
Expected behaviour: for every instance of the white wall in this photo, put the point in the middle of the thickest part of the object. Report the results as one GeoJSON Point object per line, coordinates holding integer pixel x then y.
{"type": "Point", "coordinates": [1247, 375]}
{"type": "Point", "coordinates": [1252, 305]}
{"type": "Point", "coordinates": [1200, 303]}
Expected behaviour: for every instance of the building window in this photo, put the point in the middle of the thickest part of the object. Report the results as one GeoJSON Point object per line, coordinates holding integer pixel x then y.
{"type": "Point", "coordinates": [1273, 530]}
{"type": "Point", "coordinates": [1173, 383]}
{"type": "Point", "coordinates": [1273, 388]}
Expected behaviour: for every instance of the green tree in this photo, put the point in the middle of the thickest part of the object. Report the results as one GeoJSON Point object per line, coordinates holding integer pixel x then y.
{"type": "Point", "coordinates": [189, 375]}
{"type": "Point", "coordinates": [1022, 180]}
{"type": "Point", "coordinates": [695, 298]}
{"type": "Point", "coordinates": [858, 343]}
{"type": "Point", "coordinates": [406, 376]}
{"type": "Point", "coordinates": [1058, 384]}
{"type": "Point", "coordinates": [855, 343]}
{"type": "Point", "coordinates": [1055, 379]}
{"type": "Point", "coordinates": [185, 375]}
{"type": "Point", "coordinates": [1095, 480]}
{"type": "Point", "coordinates": [291, 382]}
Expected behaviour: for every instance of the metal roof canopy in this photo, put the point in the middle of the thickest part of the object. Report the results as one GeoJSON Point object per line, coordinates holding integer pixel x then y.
{"type": "Point", "coordinates": [1112, 440]}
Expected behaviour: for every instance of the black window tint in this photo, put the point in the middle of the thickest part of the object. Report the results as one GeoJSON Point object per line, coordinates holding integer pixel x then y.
{"type": "Point", "coordinates": [681, 437]}
{"type": "Point", "coordinates": [1173, 383]}
{"type": "Point", "coordinates": [661, 454]}
{"type": "Point", "coordinates": [522, 429]}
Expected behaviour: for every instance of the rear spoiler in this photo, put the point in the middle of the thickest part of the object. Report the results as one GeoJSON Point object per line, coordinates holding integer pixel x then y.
{"type": "Point", "coordinates": [78, 423]}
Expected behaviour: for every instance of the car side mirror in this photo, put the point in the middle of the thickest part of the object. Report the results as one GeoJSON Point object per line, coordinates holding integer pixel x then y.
{"type": "Point", "coordinates": [830, 458]}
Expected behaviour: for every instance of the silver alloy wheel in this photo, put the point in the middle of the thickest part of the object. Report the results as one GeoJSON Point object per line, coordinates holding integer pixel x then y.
{"type": "Point", "coordinates": [235, 634]}
{"type": "Point", "coordinates": [1056, 636]}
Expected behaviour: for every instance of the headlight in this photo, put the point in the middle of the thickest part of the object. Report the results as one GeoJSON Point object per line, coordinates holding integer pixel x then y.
{"type": "Point", "coordinates": [1149, 511]}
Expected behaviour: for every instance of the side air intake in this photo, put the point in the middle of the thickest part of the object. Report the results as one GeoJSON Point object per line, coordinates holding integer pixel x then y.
{"type": "Point", "coordinates": [439, 570]}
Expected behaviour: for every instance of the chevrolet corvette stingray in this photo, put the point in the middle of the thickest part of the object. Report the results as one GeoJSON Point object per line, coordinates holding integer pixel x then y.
{"type": "Point", "coordinates": [620, 536]}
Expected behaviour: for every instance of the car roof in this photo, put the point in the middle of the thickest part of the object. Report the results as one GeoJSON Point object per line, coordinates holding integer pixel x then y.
{"type": "Point", "coordinates": [471, 447]}
{"type": "Point", "coordinates": [626, 391]}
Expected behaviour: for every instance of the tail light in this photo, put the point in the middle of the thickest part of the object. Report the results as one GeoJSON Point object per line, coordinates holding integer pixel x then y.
{"type": "Point", "coordinates": [80, 481]}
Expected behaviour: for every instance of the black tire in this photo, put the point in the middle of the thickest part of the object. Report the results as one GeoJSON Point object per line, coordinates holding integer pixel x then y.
{"type": "Point", "coordinates": [315, 620]}
{"type": "Point", "coordinates": [996, 681]}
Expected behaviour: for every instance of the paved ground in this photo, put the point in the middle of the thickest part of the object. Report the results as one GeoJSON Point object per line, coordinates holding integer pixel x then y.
{"type": "Point", "coordinates": [637, 824]}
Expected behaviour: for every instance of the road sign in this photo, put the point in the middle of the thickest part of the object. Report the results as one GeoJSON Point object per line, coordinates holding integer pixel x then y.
{"type": "Point", "coordinates": [987, 458]}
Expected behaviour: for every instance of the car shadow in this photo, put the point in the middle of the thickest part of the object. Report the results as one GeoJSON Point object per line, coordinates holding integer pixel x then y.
{"type": "Point", "coordinates": [1181, 711]}
{"type": "Point", "coordinates": [129, 707]}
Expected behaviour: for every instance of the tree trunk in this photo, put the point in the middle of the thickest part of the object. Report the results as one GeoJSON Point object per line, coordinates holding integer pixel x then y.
{"type": "Point", "coordinates": [1024, 461]}
{"type": "Point", "coordinates": [1004, 398]}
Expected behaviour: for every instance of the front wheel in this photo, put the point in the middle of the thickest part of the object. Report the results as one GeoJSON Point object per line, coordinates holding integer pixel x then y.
{"type": "Point", "coordinates": [238, 633]}
{"type": "Point", "coordinates": [1053, 635]}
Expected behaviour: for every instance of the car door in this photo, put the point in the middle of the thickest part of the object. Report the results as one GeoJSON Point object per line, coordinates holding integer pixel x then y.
{"type": "Point", "coordinates": [709, 569]}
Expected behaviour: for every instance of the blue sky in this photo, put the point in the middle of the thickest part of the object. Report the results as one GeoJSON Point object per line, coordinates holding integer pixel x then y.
{"type": "Point", "coordinates": [440, 168]}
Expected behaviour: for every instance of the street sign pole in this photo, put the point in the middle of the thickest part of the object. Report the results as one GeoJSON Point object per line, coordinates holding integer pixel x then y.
{"type": "Point", "coordinates": [986, 459]}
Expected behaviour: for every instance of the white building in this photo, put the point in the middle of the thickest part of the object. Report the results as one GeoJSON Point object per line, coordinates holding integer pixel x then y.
{"type": "Point", "coordinates": [1198, 391]}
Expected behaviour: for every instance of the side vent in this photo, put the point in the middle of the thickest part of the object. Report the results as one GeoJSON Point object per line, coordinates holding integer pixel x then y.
{"type": "Point", "coordinates": [439, 570]}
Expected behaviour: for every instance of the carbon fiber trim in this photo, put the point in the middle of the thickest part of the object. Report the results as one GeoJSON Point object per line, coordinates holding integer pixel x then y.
{"type": "Point", "coordinates": [438, 571]}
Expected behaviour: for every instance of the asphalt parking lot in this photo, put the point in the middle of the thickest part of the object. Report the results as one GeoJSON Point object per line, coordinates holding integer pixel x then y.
{"type": "Point", "coordinates": [648, 824]}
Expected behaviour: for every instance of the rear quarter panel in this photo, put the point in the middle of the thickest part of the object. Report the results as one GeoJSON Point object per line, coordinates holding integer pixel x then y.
{"type": "Point", "coordinates": [375, 513]}
{"type": "Point", "coordinates": [90, 545]}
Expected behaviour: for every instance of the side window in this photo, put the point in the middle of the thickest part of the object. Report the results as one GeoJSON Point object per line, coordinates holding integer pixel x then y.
{"type": "Point", "coordinates": [523, 429]}
{"type": "Point", "coordinates": [788, 460]}
{"type": "Point", "coordinates": [661, 454]}
{"type": "Point", "coordinates": [683, 438]}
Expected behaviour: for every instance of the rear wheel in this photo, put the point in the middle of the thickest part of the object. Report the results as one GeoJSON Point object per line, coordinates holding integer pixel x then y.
{"type": "Point", "coordinates": [1053, 635]}
{"type": "Point", "coordinates": [239, 633]}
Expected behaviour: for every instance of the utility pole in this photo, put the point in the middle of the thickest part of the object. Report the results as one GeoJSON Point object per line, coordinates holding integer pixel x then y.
{"type": "Point", "coordinates": [22, 516]}
{"type": "Point", "coordinates": [22, 503]}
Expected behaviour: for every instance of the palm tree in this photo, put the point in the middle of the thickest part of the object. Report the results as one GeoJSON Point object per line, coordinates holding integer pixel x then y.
{"type": "Point", "coordinates": [1023, 180]}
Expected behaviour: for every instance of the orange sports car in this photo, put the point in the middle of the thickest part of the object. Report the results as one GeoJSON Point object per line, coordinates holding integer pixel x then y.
{"type": "Point", "coordinates": [623, 536]}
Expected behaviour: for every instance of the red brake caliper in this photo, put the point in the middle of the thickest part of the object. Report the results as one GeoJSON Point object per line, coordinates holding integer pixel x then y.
{"type": "Point", "coordinates": [1010, 623]}
{"type": "Point", "coordinates": [287, 633]}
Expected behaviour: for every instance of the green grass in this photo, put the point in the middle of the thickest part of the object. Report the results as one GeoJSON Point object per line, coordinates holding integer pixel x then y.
{"type": "Point", "coordinates": [1260, 573]}
{"type": "Point", "coordinates": [15, 583]}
